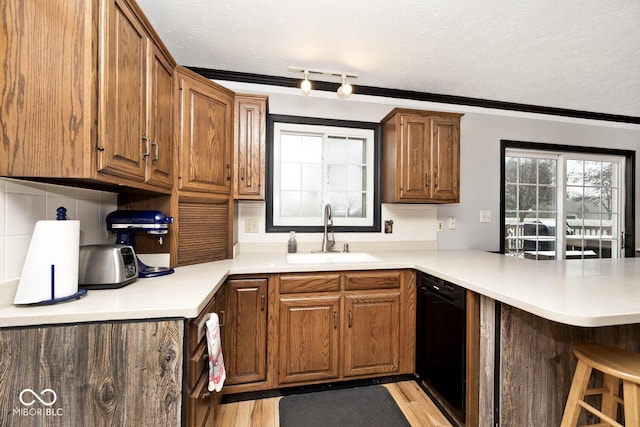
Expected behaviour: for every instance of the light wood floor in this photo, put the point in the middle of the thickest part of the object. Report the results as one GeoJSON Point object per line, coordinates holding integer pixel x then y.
{"type": "Point", "coordinates": [416, 406]}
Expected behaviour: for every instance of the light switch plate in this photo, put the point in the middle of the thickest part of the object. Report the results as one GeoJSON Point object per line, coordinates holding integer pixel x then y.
{"type": "Point", "coordinates": [250, 225]}
{"type": "Point", "coordinates": [452, 223]}
{"type": "Point", "coordinates": [485, 216]}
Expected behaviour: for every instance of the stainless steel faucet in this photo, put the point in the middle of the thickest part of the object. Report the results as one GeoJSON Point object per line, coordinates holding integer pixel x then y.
{"type": "Point", "coordinates": [327, 243]}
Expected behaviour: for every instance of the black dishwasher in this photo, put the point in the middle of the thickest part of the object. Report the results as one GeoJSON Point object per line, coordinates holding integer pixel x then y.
{"type": "Point", "coordinates": [441, 344]}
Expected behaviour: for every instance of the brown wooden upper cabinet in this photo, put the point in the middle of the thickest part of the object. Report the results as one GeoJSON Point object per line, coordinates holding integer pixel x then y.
{"type": "Point", "coordinates": [249, 147]}
{"type": "Point", "coordinates": [96, 103]}
{"type": "Point", "coordinates": [136, 103]}
{"type": "Point", "coordinates": [420, 157]}
{"type": "Point", "coordinates": [205, 134]}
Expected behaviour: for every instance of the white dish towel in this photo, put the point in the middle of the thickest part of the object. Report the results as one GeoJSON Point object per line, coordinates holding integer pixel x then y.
{"type": "Point", "coordinates": [217, 373]}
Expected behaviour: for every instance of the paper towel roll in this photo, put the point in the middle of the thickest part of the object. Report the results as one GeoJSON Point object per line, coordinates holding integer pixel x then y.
{"type": "Point", "coordinates": [50, 269]}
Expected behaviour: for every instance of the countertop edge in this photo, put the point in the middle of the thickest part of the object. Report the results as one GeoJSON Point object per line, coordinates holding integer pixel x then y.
{"type": "Point", "coordinates": [202, 281]}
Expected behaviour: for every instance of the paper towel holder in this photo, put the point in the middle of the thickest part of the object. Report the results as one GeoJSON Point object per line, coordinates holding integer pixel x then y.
{"type": "Point", "coordinates": [50, 272]}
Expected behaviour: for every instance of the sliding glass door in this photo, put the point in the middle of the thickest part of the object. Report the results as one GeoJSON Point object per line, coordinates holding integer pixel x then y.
{"type": "Point", "coordinates": [563, 205]}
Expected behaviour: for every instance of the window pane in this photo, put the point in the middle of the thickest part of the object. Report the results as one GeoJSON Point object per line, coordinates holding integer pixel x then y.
{"type": "Point", "coordinates": [290, 204]}
{"type": "Point", "coordinates": [311, 178]}
{"type": "Point", "coordinates": [575, 174]}
{"type": "Point", "coordinates": [511, 169]}
{"type": "Point", "coordinates": [311, 149]}
{"type": "Point", "coordinates": [547, 199]}
{"type": "Point", "coordinates": [356, 151]}
{"type": "Point", "coordinates": [511, 197]}
{"type": "Point", "coordinates": [336, 150]}
{"type": "Point", "coordinates": [356, 178]}
{"type": "Point", "coordinates": [528, 171]}
{"type": "Point", "coordinates": [290, 176]}
{"type": "Point", "coordinates": [547, 171]}
{"type": "Point", "coordinates": [336, 178]}
{"type": "Point", "coordinates": [527, 198]}
{"type": "Point", "coordinates": [290, 147]}
{"type": "Point", "coordinates": [311, 204]}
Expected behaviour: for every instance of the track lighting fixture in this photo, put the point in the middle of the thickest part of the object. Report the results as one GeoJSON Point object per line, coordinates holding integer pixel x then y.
{"type": "Point", "coordinates": [344, 91]}
{"type": "Point", "coordinates": [305, 86]}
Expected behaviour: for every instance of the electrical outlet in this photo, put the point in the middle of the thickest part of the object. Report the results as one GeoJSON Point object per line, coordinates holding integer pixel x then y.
{"type": "Point", "coordinates": [485, 216]}
{"type": "Point", "coordinates": [440, 225]}
{"type": "Point", "coordinates": [452, 223]}
{"type": "Point", "coordinates": [250, 225]}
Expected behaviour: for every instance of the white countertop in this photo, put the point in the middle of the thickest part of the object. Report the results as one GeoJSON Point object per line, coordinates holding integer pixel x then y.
{"type": "Point", "coordinates": [596, 292]}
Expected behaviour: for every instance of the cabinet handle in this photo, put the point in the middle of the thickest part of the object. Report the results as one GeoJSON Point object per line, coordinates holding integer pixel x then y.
{"type": "Point", "coordinates": [350, 318]}
{"type": "Point", "coordinates": [157, 150]}
{"type": "Point", "coordinates": [145, 138]}
{"type": "Point", "coordinates": [335, 320]}
{"type": "Point", "coordinates": [205, 357]}
{"type": "Point", "coordinates": [205, 395]}
{"type": "Point", "coordinates": [228, 172]}
{"type": "Point", "coordinates": [221, 320]}
{"type": "Point", "coordinates": [436, 179]}
{"type": "Point", "coordinates": [241, 173]}
{"type": "Point", "coordinates": [262, 299]}
{"type": "Point", "coordinates": [426, 179]}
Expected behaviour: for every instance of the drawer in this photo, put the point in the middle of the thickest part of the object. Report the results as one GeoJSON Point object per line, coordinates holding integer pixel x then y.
{"type": "Point", "coordinates": [384, 279]}
{"type": "Point", "coordinates": [201, 404]}
{"type": "Point", "coordinates": [198, 363]}
{"type": "Point", "coordinates": [196, 329]}
{"type": "Point", "coordinates": [309, 283]}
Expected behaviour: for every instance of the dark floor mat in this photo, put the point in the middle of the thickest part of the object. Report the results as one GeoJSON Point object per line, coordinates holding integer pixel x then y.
{"type": "Point", "coordinates": [369, 406]}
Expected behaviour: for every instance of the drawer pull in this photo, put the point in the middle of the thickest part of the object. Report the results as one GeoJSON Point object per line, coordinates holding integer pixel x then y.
{"type": "Point", "coordinates": [262, 299]}
{"type": "Point", "coordinates": [205, 394]}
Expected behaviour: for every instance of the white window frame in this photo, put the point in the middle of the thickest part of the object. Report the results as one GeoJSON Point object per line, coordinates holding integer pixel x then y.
{"type": "Point", "coordinates": [326, 131]}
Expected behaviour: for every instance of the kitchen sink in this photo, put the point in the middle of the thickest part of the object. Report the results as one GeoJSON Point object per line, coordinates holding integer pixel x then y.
{"type": "Point", "coordinates": [330, 258]}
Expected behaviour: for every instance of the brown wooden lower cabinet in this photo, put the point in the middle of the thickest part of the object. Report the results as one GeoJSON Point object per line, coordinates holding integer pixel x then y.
{"type": "Point", "coordinates": [309, 334]}
{"type": "Point", "coordinates": [245, 330]}
{"type": "Point", "coordinates": [353, 332]}
{"type": "Point", "coordinates": [372, 334]}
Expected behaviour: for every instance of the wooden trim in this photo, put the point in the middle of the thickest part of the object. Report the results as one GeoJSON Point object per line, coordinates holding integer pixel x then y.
{"type": "Point", "coordinates": [472, 400]}
{"type": "Point", "coordinates": [415, 95]}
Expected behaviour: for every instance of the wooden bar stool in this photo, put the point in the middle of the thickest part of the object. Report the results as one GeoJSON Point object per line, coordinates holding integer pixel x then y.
{"type": "Point", "coordinates": [616, 365]}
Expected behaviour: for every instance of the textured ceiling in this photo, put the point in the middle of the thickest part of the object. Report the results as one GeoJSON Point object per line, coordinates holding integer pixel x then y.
{"type": "Point", "coordinates": [576, 54]}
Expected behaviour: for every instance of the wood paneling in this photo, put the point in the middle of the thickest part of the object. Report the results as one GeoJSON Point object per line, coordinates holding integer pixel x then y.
{"type": "Point", "coordinates": [102, 373]}
{"type": "Point", "coordinates": [537, 365]}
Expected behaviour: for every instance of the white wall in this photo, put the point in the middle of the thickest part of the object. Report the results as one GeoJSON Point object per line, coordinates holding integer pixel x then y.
{"type": "Point", "coordinates": [23, 203]}
{"type": "Point", "coordinates": [481, 132]}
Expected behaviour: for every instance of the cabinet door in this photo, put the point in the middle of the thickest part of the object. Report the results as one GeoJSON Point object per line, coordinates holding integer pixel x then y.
{"type": "Point", "coordinates": [414, 157]}
{"type": "Point", "coordinates": [372, 334]}
{"type": "Point", "coordinates": [160, 118]}
{"type": "Point", "coordinates": [249, 147]}
{"type": "Point", "coordinates": [123, 146]}
{"type": "Point", "coordinates": [246, 330]}
{"type": "Point", "coordinates": [445, 134]}
{"type": "Point", "coordinates": [205, 136]}
{"type": "Point", "coordinates": [308, 338]}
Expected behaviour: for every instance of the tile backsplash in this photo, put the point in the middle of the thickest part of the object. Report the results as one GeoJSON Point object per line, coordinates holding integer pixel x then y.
{"type": "Point", "coordinates": [23, 203]}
